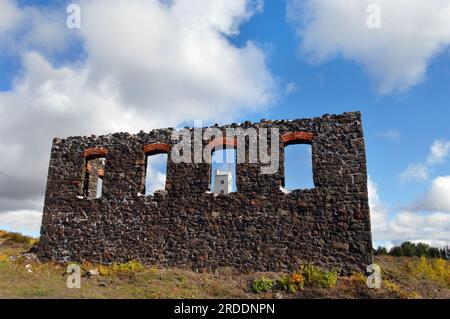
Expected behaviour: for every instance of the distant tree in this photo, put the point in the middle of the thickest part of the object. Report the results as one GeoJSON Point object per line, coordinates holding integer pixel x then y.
{"type": "Point", "coordinates": [409, 249]}
{"type": "Point", "coordinates": [381, 251]}
{"type": "Point", "coordinates": [396, 251]}
{"type": "Point", "coordinates": [422, 249]}
{"type": "Point", "coordinates": [442, 253]}
{"type": "Point", "coordinates": [433, 252]}
{"type": "Point", "coordinates": [445, 253]}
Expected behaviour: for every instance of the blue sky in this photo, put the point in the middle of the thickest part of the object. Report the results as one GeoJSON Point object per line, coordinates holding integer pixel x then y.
{"type": "Point", "coordinates": [291, 70]}
{"type": "Point", "coordinates": [420, 115]}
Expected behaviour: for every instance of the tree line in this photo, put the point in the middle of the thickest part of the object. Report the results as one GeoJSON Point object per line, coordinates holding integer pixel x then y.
{"type": "Point", "coordinates": [409, 249]}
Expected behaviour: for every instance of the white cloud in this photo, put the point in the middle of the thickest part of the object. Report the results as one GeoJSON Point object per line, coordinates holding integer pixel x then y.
{"type": "Point", "coordinates": [432, 228]}
{"type": "Point", "coordinates": [146, 64]}
{"type": "Point", "coordinates": [437, 198]}
{"type": "Point", "coordinates": [9, 16]}
{"type": "Point", "coordinates": [291, 87]}
{"type": "Point", "coordinates": [378, 211]}
{"type": "Point", "coordinates": [438, 152]}
{"type": "Point", "coordinates": [390, 134]}
{"type": "Point", "coordinates": [396, 56]}
{"type": "Point", "coordinates": [155, 179]}
{"type": "Point", "coordinates": [23, 221]}
{"type": "Point", "coordinates": [184, 61]}
{"type": "Point", "coordinates": [422, 223]}
{"type": "Point", "coordinates": [414, 172]}
{"type": "Point", "coordinates": [29, 28]}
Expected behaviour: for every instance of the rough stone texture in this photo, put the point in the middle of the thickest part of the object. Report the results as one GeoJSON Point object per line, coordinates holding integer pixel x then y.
{"type": "Point", "coordinates": [256, 228]}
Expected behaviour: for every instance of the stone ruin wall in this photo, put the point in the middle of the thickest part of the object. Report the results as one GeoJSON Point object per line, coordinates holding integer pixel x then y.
{"type": "Point", "coordinates": [258, 227]}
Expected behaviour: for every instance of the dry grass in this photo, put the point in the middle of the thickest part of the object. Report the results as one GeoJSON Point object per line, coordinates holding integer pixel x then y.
{"type": "Point", "coordinates": [22, 278]}
{"type": "Point", "coordinates": [414, 277]}
{"type": "Point", "coordinates": [16, 238]}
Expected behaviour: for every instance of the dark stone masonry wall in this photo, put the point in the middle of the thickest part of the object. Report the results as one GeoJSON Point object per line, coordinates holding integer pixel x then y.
{"type": "Point", "coordinates": [256, 228]}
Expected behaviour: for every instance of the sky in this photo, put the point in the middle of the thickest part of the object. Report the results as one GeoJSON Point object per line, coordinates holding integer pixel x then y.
{"type": "Point", "coordinates": [143, 64]}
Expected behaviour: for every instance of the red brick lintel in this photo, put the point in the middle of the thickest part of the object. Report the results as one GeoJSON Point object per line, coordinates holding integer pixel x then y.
{"type": "Point", "coordinates": [297, 138]}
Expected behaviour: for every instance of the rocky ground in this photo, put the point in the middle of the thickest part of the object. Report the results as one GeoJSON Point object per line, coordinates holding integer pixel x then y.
{"type": "Point", "coordinates": [23, 276]}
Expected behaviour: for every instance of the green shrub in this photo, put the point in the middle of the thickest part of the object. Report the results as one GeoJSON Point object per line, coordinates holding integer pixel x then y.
{"type": "Point", "coordinates": [308, 275]}
{"type": "Point", "coordinates": [291, 283]}
{"type": "Point", "coordinates": [262, 284]}
{"type": "Point", "coordinates": [316, 277]}
{"type": "Point", "coordinates": [329, 279]}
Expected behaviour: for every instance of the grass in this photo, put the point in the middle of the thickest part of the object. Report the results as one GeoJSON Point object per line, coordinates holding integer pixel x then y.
{"type": "Point", "coordinates": [403, 277]}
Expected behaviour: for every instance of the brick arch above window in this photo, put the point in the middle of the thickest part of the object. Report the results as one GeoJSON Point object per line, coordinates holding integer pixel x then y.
{"type": "Point", "coordinates": [297, 138]}
{"type": "Point", "coordinates": [156, 148]}
{"type": "Point", "coordinates": [224, 142]}
{"type": "Point", "coordinates": [95, 152]}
